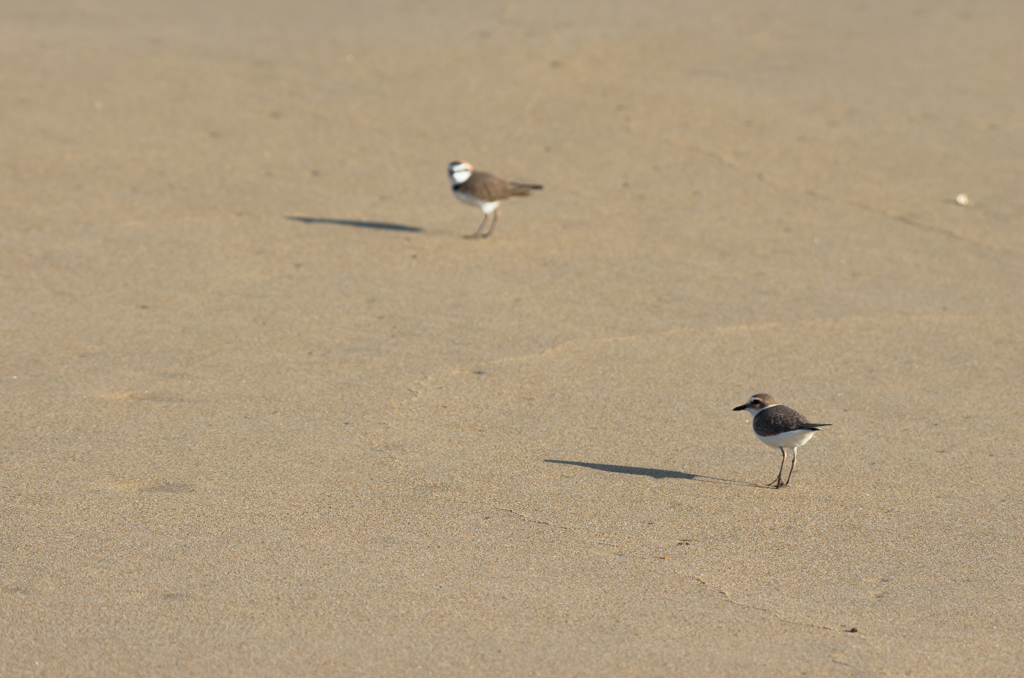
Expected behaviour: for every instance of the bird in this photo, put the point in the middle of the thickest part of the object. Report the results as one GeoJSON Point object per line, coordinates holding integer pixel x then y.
{"type": "Point", "coordinates": [779, 426]}
{"type": "Point", "coordinates": [485, 191]}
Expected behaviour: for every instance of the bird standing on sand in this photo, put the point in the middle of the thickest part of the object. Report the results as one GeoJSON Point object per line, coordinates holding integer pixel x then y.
{"type": "Point", "coordinates": [779, 426]}
{"type": "Point", "coordinates": [485, 191]}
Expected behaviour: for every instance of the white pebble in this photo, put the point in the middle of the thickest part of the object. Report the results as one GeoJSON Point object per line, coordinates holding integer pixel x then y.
{"type": "Point", "coordinates": [963, 199]}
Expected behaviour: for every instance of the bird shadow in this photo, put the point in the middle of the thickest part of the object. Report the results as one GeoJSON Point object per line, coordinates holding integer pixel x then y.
{"type": "Point", "coordinates": [655, 473]}
{"type": "Point", "coordinates": [378, 225]}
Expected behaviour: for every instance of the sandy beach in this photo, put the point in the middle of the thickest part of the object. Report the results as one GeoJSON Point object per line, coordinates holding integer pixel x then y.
{"type": "Point", "coordinates": [266, 412]}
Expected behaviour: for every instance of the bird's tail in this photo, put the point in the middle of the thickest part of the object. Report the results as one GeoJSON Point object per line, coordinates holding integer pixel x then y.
{"type": "Point", "coordinates": [524, 189]}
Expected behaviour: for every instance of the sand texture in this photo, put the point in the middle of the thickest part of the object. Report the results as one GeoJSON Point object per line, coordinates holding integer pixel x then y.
{"type": "Point", "coordinates": [265, 411]}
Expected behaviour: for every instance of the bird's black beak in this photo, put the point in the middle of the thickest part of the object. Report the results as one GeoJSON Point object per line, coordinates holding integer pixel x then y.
{"type": "Point", "coordinates": [740, 408]}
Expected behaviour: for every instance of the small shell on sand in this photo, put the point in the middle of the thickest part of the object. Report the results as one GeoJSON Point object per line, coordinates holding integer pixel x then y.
{"type": "Point", "coordinates": [962, 199]}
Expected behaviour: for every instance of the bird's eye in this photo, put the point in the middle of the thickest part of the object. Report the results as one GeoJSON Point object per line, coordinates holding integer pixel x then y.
{"type": "Point", "coordinates": [755, 402]}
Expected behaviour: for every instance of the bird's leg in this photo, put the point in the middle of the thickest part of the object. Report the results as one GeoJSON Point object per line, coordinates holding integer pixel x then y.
{"type": "Point", "coordinates": [479, 230]}
{"type": "Point", "coordinates": [494, 222]}
{"type": "Point", "coordinates": [792, 466]}
{"type": "Point", "coordinates": [778, 481]}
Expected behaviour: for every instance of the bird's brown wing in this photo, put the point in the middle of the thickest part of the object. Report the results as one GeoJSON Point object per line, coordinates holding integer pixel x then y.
{"type": "Point", "coordinates": [780, 419]}
{"type": "Point", "coordinates": [489, 188]}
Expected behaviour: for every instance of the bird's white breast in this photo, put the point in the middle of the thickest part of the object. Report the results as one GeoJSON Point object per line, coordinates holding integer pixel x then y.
{"type": "Point", "coordinates": [787, 439]}
{"type": "Point", "coordinates": [487, 207]}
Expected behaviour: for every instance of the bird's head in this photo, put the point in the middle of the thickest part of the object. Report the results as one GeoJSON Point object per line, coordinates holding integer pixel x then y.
{"type": "Point", "coordinates": [459, 172]}
{"type": "Point", "coordinates": [756, 403]}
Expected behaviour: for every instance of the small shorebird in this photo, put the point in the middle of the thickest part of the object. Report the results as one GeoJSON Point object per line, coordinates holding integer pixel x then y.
{"type": "Point", "coordinates": [485, 191]}
{"type": "Point", "coordinates": [779, 426]}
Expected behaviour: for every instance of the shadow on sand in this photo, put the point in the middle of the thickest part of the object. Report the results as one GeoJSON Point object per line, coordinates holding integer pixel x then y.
{"type": "Point", "coordinates": [380, 226]}
{"type": "Point", "coordinates": [656, 473]}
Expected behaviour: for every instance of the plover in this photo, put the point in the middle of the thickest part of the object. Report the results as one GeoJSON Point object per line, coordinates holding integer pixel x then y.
{"type": "Point", "coordinates": [779, 426]}
{"type": "Point", "coordinates": [485, 191]}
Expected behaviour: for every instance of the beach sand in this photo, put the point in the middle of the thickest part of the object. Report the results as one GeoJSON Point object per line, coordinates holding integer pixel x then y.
{"type": "Point", "coordinates": [265, 411]}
